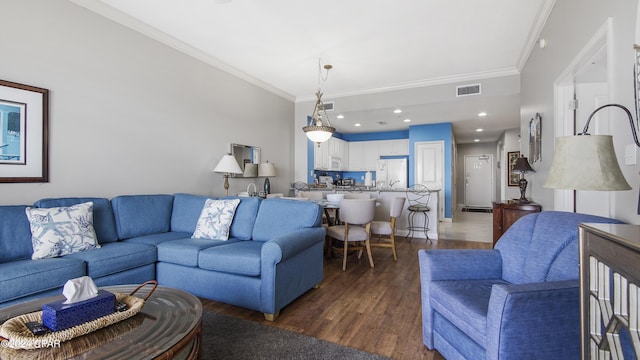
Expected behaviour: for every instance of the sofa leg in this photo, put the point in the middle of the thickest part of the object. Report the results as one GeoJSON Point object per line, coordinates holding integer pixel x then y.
{"type": "Point", "coordinates": [272, 317]}
{"type": "Point", "coordinates": [316, 286]}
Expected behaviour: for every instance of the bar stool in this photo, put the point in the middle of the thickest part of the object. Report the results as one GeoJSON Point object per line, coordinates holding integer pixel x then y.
{"type": "Point", "coordinates": [382, 228]}
{"type": "Point", "coordinates": [418, 197]}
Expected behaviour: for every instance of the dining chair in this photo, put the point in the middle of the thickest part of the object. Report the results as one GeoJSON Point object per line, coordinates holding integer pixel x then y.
{"type": "Point", "coordinates": [418, 197]}
{"type": "Point", "coordinates": [388, 228]}
{"type": "Point", "coordinates": [356, 216]}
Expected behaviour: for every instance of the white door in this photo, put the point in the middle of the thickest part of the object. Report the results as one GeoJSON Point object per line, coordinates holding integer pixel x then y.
{"type": "Point", "coordinates": [478, 180]}
{"type": "Point", "coordinates": [429, 169]}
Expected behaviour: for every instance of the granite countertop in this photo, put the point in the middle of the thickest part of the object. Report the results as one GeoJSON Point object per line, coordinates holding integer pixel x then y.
{"type": "Point", "coordinates": [360, 188]}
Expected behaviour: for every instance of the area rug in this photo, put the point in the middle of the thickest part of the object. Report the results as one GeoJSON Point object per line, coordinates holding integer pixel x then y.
{"type": "Point", "coordinates": [226, 337]}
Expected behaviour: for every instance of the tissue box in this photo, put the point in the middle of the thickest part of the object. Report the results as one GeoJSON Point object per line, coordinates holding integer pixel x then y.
{"type": "Point", "coordinates": [59, 316]}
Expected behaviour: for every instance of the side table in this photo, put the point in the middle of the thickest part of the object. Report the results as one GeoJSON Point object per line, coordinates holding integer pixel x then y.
{"type": "Point", "coordinates": [505, 213]}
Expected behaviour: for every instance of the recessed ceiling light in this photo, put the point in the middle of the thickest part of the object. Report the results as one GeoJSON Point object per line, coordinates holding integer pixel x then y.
{"type": "Point", "coordinates": [356, 124]}
{"type": "Point", "coordinates": [482, 114]}
{"type": "Point", "coordinates": [397, 111]}
{"type": "Point", "coordinates": [476, 140]}
{"type": "Point", "coordinates": [407, 120]}
{"type": "Point", "coordinates": [479, 130]}
{"type": "Point", "coordinates": [340, 116]}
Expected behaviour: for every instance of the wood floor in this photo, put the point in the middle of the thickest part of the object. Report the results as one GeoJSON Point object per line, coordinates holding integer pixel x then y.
{"type": "Point", "coordinates": [376, 310]}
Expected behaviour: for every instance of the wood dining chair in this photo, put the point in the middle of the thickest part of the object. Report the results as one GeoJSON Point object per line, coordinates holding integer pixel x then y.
{"type": "Point", "coordinates": [356, 216]}
{"type": "Point", "coordinates": [388, 228]}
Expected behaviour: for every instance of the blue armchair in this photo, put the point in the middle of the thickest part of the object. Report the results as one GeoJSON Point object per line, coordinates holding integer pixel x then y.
{"type": "Point", "coordinates": [520, 300]}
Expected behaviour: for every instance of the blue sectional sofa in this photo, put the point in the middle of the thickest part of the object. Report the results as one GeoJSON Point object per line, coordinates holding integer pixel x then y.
{"type": "Point", "coordinates": [273, 254]}
{"type": "Point", "coordinates": [518, 301]}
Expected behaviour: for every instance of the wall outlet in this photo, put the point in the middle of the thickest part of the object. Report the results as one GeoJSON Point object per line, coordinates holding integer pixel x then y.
{"type": "Point", "coordinates": [630, 154]}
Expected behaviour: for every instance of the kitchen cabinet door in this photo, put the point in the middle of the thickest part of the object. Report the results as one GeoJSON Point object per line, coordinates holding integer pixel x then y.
{"type": "Point", "coordinates": [356, 156]}
{"type": "Point", "coordinates": [371, 155]}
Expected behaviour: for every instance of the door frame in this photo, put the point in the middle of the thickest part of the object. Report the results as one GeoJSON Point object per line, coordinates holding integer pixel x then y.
{"type": "Point", "coordinates": [564, 89]}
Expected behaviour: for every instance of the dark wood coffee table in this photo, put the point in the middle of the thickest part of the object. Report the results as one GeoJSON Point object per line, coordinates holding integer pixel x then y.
{"type": "Point", "coordinates": [168, 326]}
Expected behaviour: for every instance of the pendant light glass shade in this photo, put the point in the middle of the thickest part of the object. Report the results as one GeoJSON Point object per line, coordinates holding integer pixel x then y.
{"type": "Point", "coordinates": [316, 131]}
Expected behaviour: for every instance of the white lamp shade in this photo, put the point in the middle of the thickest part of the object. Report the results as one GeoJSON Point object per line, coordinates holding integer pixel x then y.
{"type": "Point", "coordinates": [228, 165]}
{"type": "Point", "coordinates": [586, 162]}
{"type": "Point", "coordinates": [267, 169]}
{"type": "Point", "coordinates": [250, 170]}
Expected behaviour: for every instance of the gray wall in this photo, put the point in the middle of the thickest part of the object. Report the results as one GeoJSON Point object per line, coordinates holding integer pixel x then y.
{"type": "Point", "coordinates": [571, 25]}
{"type": "Point", "coordinates": [130, 115]}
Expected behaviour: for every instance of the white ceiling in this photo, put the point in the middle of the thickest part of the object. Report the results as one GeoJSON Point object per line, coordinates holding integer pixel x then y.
{"type": "Point", "coordinates": [397, 52]}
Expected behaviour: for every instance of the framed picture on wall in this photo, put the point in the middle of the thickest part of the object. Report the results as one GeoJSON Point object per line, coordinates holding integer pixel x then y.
{"type": "Point", "coordinates": [535, 139]}
{"type": "Point", "coordinates": [513, 178]}
{"type": "Point", "coordinates": [24, 113]}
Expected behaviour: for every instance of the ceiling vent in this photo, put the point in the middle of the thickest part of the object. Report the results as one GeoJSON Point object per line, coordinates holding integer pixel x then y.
{"type": "Point", "coordinates": [465, 90]}
{"type": "Point", "coordinates": [328, 106]}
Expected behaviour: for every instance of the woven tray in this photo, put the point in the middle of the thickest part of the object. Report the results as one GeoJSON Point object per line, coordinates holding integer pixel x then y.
{"type": "Point", "coordinates": [20, 337]}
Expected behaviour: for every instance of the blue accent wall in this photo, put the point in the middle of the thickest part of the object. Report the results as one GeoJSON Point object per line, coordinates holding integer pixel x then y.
{"type": "Point", "coordinates": [434, 132]}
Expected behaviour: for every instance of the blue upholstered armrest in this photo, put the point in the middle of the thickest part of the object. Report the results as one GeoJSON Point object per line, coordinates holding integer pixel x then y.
{"type": "Point", "coordinates": [534, 321]}
{"type": "Point", "coordinates": [459, 264]}
{"type": "Point", "coordinates": [283, 247]}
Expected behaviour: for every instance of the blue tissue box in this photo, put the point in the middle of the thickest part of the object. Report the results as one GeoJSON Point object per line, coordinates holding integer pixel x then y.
{"type": "Point", "coordinates": [59, 316]}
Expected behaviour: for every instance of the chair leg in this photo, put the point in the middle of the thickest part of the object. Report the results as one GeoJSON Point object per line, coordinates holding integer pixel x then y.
{"type": "Point", "coordinates": [344, 255]}
{"type": "Point", "coordinates": [392, 238]}
{"type": "Point", "coordinates": [367, 244]}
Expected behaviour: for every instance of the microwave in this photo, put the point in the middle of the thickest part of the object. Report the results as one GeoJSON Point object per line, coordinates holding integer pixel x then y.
{"type": "Point", "coordinates": [335, 163]}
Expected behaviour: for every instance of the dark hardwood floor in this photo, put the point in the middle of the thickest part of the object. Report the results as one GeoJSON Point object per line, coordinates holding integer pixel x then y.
{"type": "Point", "coordinates": [376, 310]}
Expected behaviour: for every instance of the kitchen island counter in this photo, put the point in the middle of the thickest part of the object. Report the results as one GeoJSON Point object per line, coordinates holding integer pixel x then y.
{"type": "Point", "coordinates": [385, 198]}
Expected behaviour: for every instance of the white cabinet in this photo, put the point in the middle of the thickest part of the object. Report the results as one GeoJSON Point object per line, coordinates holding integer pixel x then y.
{"type": "Point", "coordinates": [394, 147]}
{"type": "Point", "coordinates": [356, 156]}
{"type": "Point", "coordinates": [330, 153]}
{"type": "Point", "coordinates": [364, 155]}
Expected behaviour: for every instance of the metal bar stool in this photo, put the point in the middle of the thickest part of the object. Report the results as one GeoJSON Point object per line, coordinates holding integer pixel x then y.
{"type": "Point", "coordinates": [418, 197]}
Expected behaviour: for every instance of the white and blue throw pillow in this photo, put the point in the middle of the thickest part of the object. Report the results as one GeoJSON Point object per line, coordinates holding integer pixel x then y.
{"type": "Point", "coordinates": [61, 230]}
{"type": "Point", "coordinates": [215, 219]}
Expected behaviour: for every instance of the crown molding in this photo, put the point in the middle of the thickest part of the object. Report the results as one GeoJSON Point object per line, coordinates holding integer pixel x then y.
{"type": "Point", "coordinates": [534, 34]}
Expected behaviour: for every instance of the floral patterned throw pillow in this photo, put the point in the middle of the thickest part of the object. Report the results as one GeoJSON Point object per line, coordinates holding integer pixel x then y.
{"type": "Point", "coordinates": [215, 219]}
{"type": "Point", "coordinates": [61, 230]}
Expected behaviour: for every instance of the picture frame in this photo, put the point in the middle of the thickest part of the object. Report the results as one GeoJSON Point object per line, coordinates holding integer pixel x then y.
{"type": "Point", "coordinates": [24, 132]}
{"type": "Point", "coordinates": [513, 178]}
{"type": "Point", "coordinates": [535, 139]}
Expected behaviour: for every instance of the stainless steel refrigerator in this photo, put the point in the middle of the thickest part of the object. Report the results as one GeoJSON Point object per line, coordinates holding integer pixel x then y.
{"type": "Point", "coordinates": [392, 173]}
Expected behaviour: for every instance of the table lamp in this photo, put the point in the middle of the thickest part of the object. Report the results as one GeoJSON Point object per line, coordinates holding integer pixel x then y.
{"type": "Point", "coordinates": [227, 166]}
{"type": "Point", "coordinates": [265, 170]}
{"type": "Point", "coordinates": [522, 165]}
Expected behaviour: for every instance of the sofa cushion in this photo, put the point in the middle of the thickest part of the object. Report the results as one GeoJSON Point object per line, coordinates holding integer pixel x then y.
{"type": "Point", "coordinates": [15, 234]}
{"type": "Point", "coordinates": [155, 239]}
{"type": "Point", "coordinates": [138, 215]}
{"type": "Point", "coordinates": [185, 251]}
{"type": "Point", "coordinates": [186, 211]}
{"type": "Point", "coordinates": [241, 258]}
{"type": "Point", "coordinates": [26, 277]}
{"type": "Point", "coordinates": [277, 217]}
{"type": "Point", "coordinates": [245, 217]}
{"type": "Point", "coordinates": [115, 257]}
{"type": "Point", "coordinates": [103, 221]}
{"type": "Point", "coordinates": [215, 219]}
{"type": "Point", "coordinates": [61, 230]}
{"type": "Point", "coordinates": [465, 304]}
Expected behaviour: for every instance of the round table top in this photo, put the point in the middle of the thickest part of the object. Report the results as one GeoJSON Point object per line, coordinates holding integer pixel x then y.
{"type": "Point", "coordinates": [168, 317]}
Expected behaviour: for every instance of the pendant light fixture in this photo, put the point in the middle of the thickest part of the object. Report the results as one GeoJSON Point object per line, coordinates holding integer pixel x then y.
{"type": "Point", "coordinates": [319, 129]}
